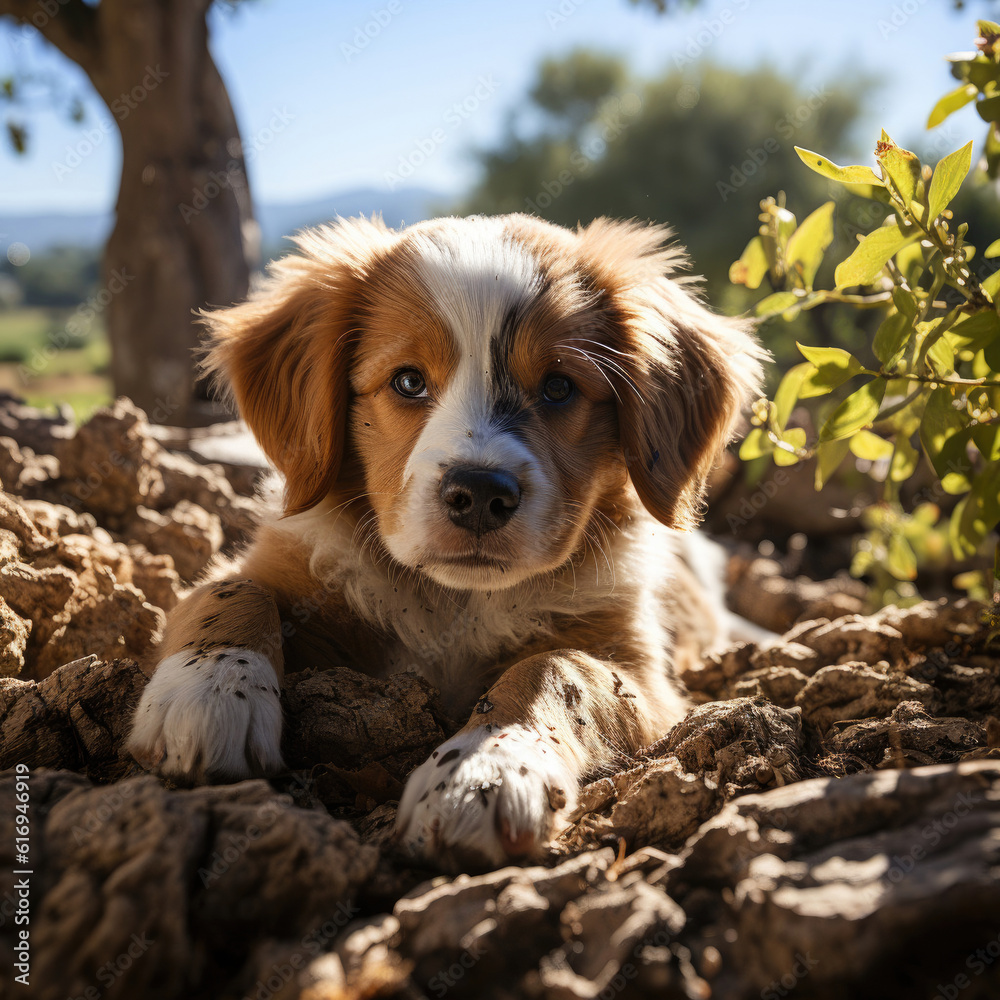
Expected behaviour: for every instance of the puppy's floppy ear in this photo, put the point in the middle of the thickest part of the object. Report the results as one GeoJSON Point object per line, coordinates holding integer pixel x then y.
{"type": "Point", "coordinates": [685, 372]}
{"type": "Point", "coordinates": [282, 356]}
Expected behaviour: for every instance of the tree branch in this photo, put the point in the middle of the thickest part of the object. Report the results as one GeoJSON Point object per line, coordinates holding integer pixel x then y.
{"type": "Point", "coordinates": [70, 25]}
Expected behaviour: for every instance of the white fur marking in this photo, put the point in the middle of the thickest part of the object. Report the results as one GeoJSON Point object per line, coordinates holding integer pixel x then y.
{"type": "Point", "coordinates": [216, 718]}
{"type": "Point", "coordinates": [498, 777]}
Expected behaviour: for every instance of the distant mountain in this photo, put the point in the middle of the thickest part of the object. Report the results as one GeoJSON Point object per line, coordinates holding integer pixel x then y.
{"type": "Point", "coordinates": [44, 230]}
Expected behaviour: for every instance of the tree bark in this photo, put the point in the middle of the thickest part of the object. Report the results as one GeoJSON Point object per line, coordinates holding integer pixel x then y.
{"type": "Point", "coordinates": [184, 234]}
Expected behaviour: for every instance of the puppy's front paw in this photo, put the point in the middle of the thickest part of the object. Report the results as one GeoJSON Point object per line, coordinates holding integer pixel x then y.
{"type": "Point", "coordinates": [214, 717]}
{"type": "Point", "coordinates": [484, 797]}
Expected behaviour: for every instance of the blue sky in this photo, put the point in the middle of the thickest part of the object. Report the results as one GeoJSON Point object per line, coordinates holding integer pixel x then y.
{"type": "Point", "coordinates": [349, 112]}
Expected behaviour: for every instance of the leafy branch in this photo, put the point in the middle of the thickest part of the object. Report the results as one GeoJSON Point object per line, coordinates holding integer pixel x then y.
{"type": "Point", "coordinates": [934, 390]}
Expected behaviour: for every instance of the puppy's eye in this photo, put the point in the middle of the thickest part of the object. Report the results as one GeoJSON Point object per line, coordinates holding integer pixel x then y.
{"type": "Point", "coordinates": [410, 382]}
{"type": "Point", "coordinates": [557, 389]}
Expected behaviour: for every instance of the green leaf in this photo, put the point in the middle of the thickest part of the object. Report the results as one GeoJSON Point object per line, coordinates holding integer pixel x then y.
{"type": "Point", "coordinates": [901, 166]}
{"type": "Point", "coordinates": [951, 102]}
{"type": "Point", "coordinates": [795, 437]}
{"type": "Point", "coordinates": [871, 254]}
{"type": "Point", "coordinates": [980, 511]}
{"type": "Point", "coordinates": [991, 360]}
{"type": "Point", "coordinates": [947, 179]}
{"type": "Point", "coordinates": [944, 432]}
{"type": "Point", "coordinates": [941, 357]}
{"type": "Point", "coordinates": [976, 332]}
{"type": "Point", "coordinates": [870, 191]}
{"type": "Point", "coordinates": [904, 459]}
{"type": "Point", "coordinates": [891, 338]}
{"type": "Point", "coordinates": [987, 438]}
{"type": "Point", "coordinates": [755, 444]}
{"type": "Point", "coordinates": [989, 109]}
{"type": "Point", "coordinates": [808, 243]}
{"type": "Point", "coordinates": [870, 446]}
{"type": "Point", "coordinates": [993, 250]}
{"type": "Point", "coordinates": [904, 301]}
{"type": "Point", "coordinates": [855, 412]}
{"type": "Point", "coordinates": [901, 560]}
{"type": "Point", "coordinates": [829, 455]}
{"type": "Point", "coordinates": [788, 393]}
{"type": "Point", "coordinates": [846, 175]}
{"type": "Point", "coordinates": [832, 367]}
{"type": "Point", "coordinates": [911, 264]}
{"type": "Point", "coordinates": [751, 268]}
{"type": "Point", "coordinates": [991, 284]}
{"type": "Point", "coordinates": [778, 302]}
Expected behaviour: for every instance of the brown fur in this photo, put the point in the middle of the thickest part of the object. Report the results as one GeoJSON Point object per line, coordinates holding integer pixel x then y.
{"type": "Point", "coordinates": [660, 382]}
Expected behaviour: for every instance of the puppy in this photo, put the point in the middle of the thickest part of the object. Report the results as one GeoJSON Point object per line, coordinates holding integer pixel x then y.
{"type": "Point", "coordinates": [492, 432]}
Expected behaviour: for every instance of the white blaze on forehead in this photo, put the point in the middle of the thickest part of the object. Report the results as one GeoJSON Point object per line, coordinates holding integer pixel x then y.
{"type": "Point", "coordinates": [475, 273]}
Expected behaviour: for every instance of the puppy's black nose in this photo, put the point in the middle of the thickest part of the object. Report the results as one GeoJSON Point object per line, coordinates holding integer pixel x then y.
{"type": "Point", "coordinates": [480, 500]}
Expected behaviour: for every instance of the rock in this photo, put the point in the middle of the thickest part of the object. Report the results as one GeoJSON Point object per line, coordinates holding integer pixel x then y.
{"type": "Point", "coordinates": [851, 638]}
{"type": "Point", "coordinates": [108, 464]}
{"type": "Point", "coordinates": [910, 737]}
{"type": "Point", "coordinates": [185, 884]}
{"type": "Point", "coordinates": [346, 718]}
{"type": "Point", "coordinates": [189, 534]}
{"type": "Point", "coordinates": [837, 887]}
{"type": "Point", "coordinates": [719, 750]}
{"type": "Point", "coordinates": [75, 586]}
{"type": "Point", "coordinates": [156, 577]}
{"type": "Point", "coordinates": [31, 427]}
{"type": "Point", "coordinates": [731, 738]}
{"type": "Point", "coordinates": [659, 804]}
{"type": "Point", "coordinates": [12, 463]}
{"type": "Point", "coordinates": [14, 632]}
{"type": "Point", "coordinates": [120, 623]}
{"type": "Point", "coordinates": [761, 592]}
{"type": "Point", "coordinates": [857, 691]}
{"type": "Point", "coordinates": [780, 685]}
{"type": "Point", "coordinates": [77, 718]}
{"type": "Point", "coordinates": [787, 654]}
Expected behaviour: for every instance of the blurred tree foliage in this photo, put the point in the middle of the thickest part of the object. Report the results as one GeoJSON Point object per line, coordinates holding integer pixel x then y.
{"type": "Point", "coordinates": [690, 148]}
{"type": "Point", "coordinates": [62, 277]}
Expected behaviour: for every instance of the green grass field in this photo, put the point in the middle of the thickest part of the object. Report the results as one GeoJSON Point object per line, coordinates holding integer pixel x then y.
{"type": "Point", "coordinates": [31, 367]}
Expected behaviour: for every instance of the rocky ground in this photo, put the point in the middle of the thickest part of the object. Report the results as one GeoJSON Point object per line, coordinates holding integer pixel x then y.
{"type": "Point", "coordinates": [825, 822]}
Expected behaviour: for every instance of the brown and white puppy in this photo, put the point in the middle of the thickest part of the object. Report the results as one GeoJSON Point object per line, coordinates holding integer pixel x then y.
{"type": "Point", "coordinates": [489, 431]}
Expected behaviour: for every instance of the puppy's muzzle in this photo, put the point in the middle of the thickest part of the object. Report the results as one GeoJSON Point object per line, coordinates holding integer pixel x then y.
{"type": "Point", "coordinates": [479, 500]}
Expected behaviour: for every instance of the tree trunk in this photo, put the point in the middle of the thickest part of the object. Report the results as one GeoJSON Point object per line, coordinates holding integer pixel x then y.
{"type": "Point", "coordinates": [184, 225]}
{"type": "Point", "coordinates": [184, 234]}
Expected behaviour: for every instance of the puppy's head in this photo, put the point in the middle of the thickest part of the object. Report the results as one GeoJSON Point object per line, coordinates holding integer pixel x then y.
{"type": "Point", "coordinates": [499, 382]}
